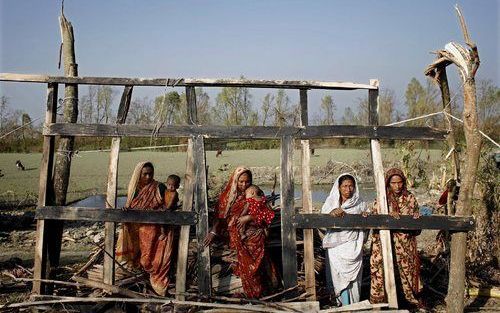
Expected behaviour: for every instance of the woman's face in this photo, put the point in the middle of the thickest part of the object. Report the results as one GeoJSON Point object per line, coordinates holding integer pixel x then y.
{"type": "Point", "coordinates": [146, 175]}
{"type": "Point", "coordinates": [243, 182]}
{"type": "Point", "coordinates": [396, 184]}
{"type": "Point", "coordinates": [346, 189]}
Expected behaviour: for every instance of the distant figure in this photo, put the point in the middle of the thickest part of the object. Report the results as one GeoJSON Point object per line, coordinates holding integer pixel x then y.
{"type": "Point", "coordinates": [219, 152]}
{"type": "Point", "coordinates": [19, 165]}
{"type": "Point", "coordinates": [312, 151]}
{"type": "Point", "coordinates": [1, 174]}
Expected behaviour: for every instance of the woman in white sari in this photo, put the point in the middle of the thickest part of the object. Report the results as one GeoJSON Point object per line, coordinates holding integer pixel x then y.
{"type": "Point", "coordinates": [344, 247]}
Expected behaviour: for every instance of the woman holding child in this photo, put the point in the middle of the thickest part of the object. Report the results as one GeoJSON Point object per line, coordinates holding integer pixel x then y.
{"type": "Point", "coordinates": [149, 246]}
{"type": "Point", "coordinates": [243, 210]}
{"type": "Point", "coordinates": [344, 247]}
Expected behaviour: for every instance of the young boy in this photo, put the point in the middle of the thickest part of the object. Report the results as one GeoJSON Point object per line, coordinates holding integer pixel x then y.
{"type": "Point", "coordinates": [171, 195]}
{"type": "Point", "coordinates": [256, 210]}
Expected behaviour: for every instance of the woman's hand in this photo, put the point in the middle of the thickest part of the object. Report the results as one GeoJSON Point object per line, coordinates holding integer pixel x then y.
{"type": "Point", "coordinates": [395, 215]}
{"type": "Point", "coordinates": [416, 215]}
{"type": "Point", "coordinates": [338, 212]}
{"type": "Point", "coordinates": [209, 238]}
{"type": "Point", "coordinates": [125, 208]}
{"type": "Point", "coordinates": [242, 220]}
{"type": "Point", "coordinates": [365, 213]}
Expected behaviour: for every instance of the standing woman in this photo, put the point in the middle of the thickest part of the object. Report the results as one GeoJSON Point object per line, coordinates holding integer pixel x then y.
{"type": "Point", "coordinates": [254, 266]}
{"type": "Point", "coordinates": [344, 247]}
{"type": "Point", "coordinates": [149, 246]}
{"type": "Point", "coordinates": [400, 202]}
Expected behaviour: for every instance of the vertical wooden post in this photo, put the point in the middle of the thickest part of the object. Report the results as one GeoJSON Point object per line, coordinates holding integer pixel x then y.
{"type": "Point", "coordinates": [307, 203]}
{"type": "Point", "coordinates": [195, 195]}
{"type": "Point", "coordinates": [44, 197]}
{"type": "Point", "coordinates": [110, 227]}
{"type": "Point", "coordinates": [289, 245]}
{"type": "Point", "coordinates": [201, 205]}
{"type": "Point", "coordinates": [378, 170]}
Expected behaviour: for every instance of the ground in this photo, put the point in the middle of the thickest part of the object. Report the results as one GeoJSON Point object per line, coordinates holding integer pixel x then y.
{"type": "Point", "coordinates": [18, 189]}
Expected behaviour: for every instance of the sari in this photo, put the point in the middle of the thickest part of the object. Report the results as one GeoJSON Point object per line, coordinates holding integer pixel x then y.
{"type": "Point", "coordinates": [253, 263]}
{"type": "Point", "coordinates": [144, 245]}
{"type": "Point", "coordinates": [344, 247]}
{"type": "Point", "coordinates": [407, 269]}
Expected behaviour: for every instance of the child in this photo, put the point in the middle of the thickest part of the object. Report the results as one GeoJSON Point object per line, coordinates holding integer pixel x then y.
{"type": "Point", "coordinates": [171, 195]}
{"type": "Point", "coordinates": [256, 210]}
{"type": "Point", "coordinates": [171, 198]}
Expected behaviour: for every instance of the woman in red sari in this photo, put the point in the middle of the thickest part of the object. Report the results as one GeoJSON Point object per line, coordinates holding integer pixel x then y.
{"type": "Point", "coordinates": [253, 261]}
{"type": "Point", "coordinates": [148, 246]}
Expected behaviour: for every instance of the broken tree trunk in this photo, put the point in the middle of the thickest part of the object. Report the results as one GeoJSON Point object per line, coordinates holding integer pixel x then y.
{"type": "Point", "coordinates": [467, 61]}
{"type": "Point", "coordinates": [66, 144]}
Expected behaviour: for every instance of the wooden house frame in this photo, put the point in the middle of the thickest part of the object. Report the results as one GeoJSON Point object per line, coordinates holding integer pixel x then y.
{"type": "Point", "coordinates": [195, 208]}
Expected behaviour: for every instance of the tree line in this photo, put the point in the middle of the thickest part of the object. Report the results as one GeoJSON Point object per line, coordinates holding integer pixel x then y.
{"type": "Point", "coordinates": [237, 106]}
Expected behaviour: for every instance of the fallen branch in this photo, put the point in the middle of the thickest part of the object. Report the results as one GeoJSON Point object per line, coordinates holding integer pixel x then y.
{"type": "Point", "coordinates": [279, 293]}
{"type": "Point", "coordinates": [60, 300]}
{"type": "Point", "coordinates": [363, 305]}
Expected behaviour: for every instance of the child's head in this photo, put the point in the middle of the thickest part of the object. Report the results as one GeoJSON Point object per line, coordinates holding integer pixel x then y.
{"type": "Point", "coordinates": [173, 182]}
{"type": "Point", "coordinates": [253, 192]}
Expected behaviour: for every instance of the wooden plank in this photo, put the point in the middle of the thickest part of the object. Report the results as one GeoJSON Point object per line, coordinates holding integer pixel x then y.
{"type": "Point", "coordinates": [288, 239]}
{"type": "Point", "coordinates": [40, 270]}
{"type": "Point", "coordinates": [184, 82]}
{"type": "Point", "coordinates": [187, 201]}
{"type": "Point", "coordinates": [111, 192]}
{"type": "Point", "coordinates": [355, 221]}
{"type": "Point", "coordinates": [201, 206]}
{"type": "Point", "coordinates": [307, 203]}
{"type": "Point", "coordinates": [247, 132]}
{"type": "Point", "coordinates": [385, 235]}
{"type": "Point", "coordinates": [378, 170]}
{"type": "Point", "coordinates": [115, 215]}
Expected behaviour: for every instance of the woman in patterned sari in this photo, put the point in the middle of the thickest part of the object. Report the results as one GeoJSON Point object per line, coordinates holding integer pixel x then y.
{"type": "Point", "coordinates": [149, 246]}
{"type": "Point", "coordinates": [407, 270]}
{"type": "Point", "coordinates": [253, 262]}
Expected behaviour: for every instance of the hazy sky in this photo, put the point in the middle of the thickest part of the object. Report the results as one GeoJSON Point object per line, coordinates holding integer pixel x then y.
{"type": "Point", "coordinates": [306, 40]}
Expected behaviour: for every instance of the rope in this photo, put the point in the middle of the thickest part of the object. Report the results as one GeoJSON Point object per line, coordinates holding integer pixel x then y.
{"type": "Point", "coordinates": [480, 131]}
{"type": "Point", "coordinates": [22, 126]}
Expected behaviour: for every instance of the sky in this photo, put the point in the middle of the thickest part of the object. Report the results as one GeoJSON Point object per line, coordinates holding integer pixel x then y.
{"type": "Point", "coordinates": [260, 39]}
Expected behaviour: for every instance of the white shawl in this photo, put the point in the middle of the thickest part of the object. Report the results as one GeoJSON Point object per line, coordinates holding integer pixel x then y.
{"type": "Point", "coordinates": [347, 244]}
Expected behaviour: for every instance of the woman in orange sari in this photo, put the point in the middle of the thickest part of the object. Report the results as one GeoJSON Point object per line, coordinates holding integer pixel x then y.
{"type": "Point", "coordinates": [253, 260]}
{"type": "Point", "coordinates": [148, 246]}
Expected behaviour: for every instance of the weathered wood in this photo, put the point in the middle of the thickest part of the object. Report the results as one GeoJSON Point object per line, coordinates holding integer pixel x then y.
{"type": "Point", "coordinates": [356, 221]}
{"type": "Point", "coordinates": [44, 193]}
{"type": "Point", "coordinates": [467, 63]}
{"type": "Point", "coordinates": [187, 201]}
{"type": "Point", "coordinates": [201, 207]}
{"type": "Point", "coordinates": [288, 239]}
{"type": "Point", "coordinates": [111, 192]}
{"type": "Point", "coordinates": [378, 171]}
{"type": "Point", "coordinates": [183, 82]}
{"type": "Point", "coordinates": [307, 203]}
{"type": "Point", "coordinates": [385, 235]}
{"type": "Point", "coordinates": [247, 132]}
{"type": "Point", "coordinates": [63, 157]}
{"type": "Point", "coordinates": [115, 215]}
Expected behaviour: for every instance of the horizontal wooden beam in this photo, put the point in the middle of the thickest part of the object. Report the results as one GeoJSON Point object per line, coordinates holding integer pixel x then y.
{"type": "Point", "coordinates": [182, 82]}
{"type": "Point", "coordinates": [382, 221]}
{"type": "Point", "coordinates": [246, 132]}
{"type": "Point", "coordinates": [115, 215]}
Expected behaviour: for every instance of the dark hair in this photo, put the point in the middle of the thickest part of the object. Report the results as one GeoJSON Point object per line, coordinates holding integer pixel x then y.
{"type": "Point", "coordinates": [258, 191]}
{"type": "Point", "coordinates": [249, 175]}
{"type": "Point", "coordinates": [176, 179]}
{"type": "Point", "coordinates": [347, 177]}
{"type": "Point", "coordinates": [149, 164]}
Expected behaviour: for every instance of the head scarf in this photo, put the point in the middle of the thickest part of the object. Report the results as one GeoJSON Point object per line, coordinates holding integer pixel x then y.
{"type": "Point", "coordinates": [134, 181]}
{"type": "Point", "coordinates": [230, 192]}
{"type": "Point", "coordinates": [333, 200]}
{"type": "Point", "coordinates": [392, 199]}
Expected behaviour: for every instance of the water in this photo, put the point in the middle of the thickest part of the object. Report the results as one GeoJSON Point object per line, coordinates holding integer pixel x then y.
{"type": "Point", "coordinates": [319, 194]}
